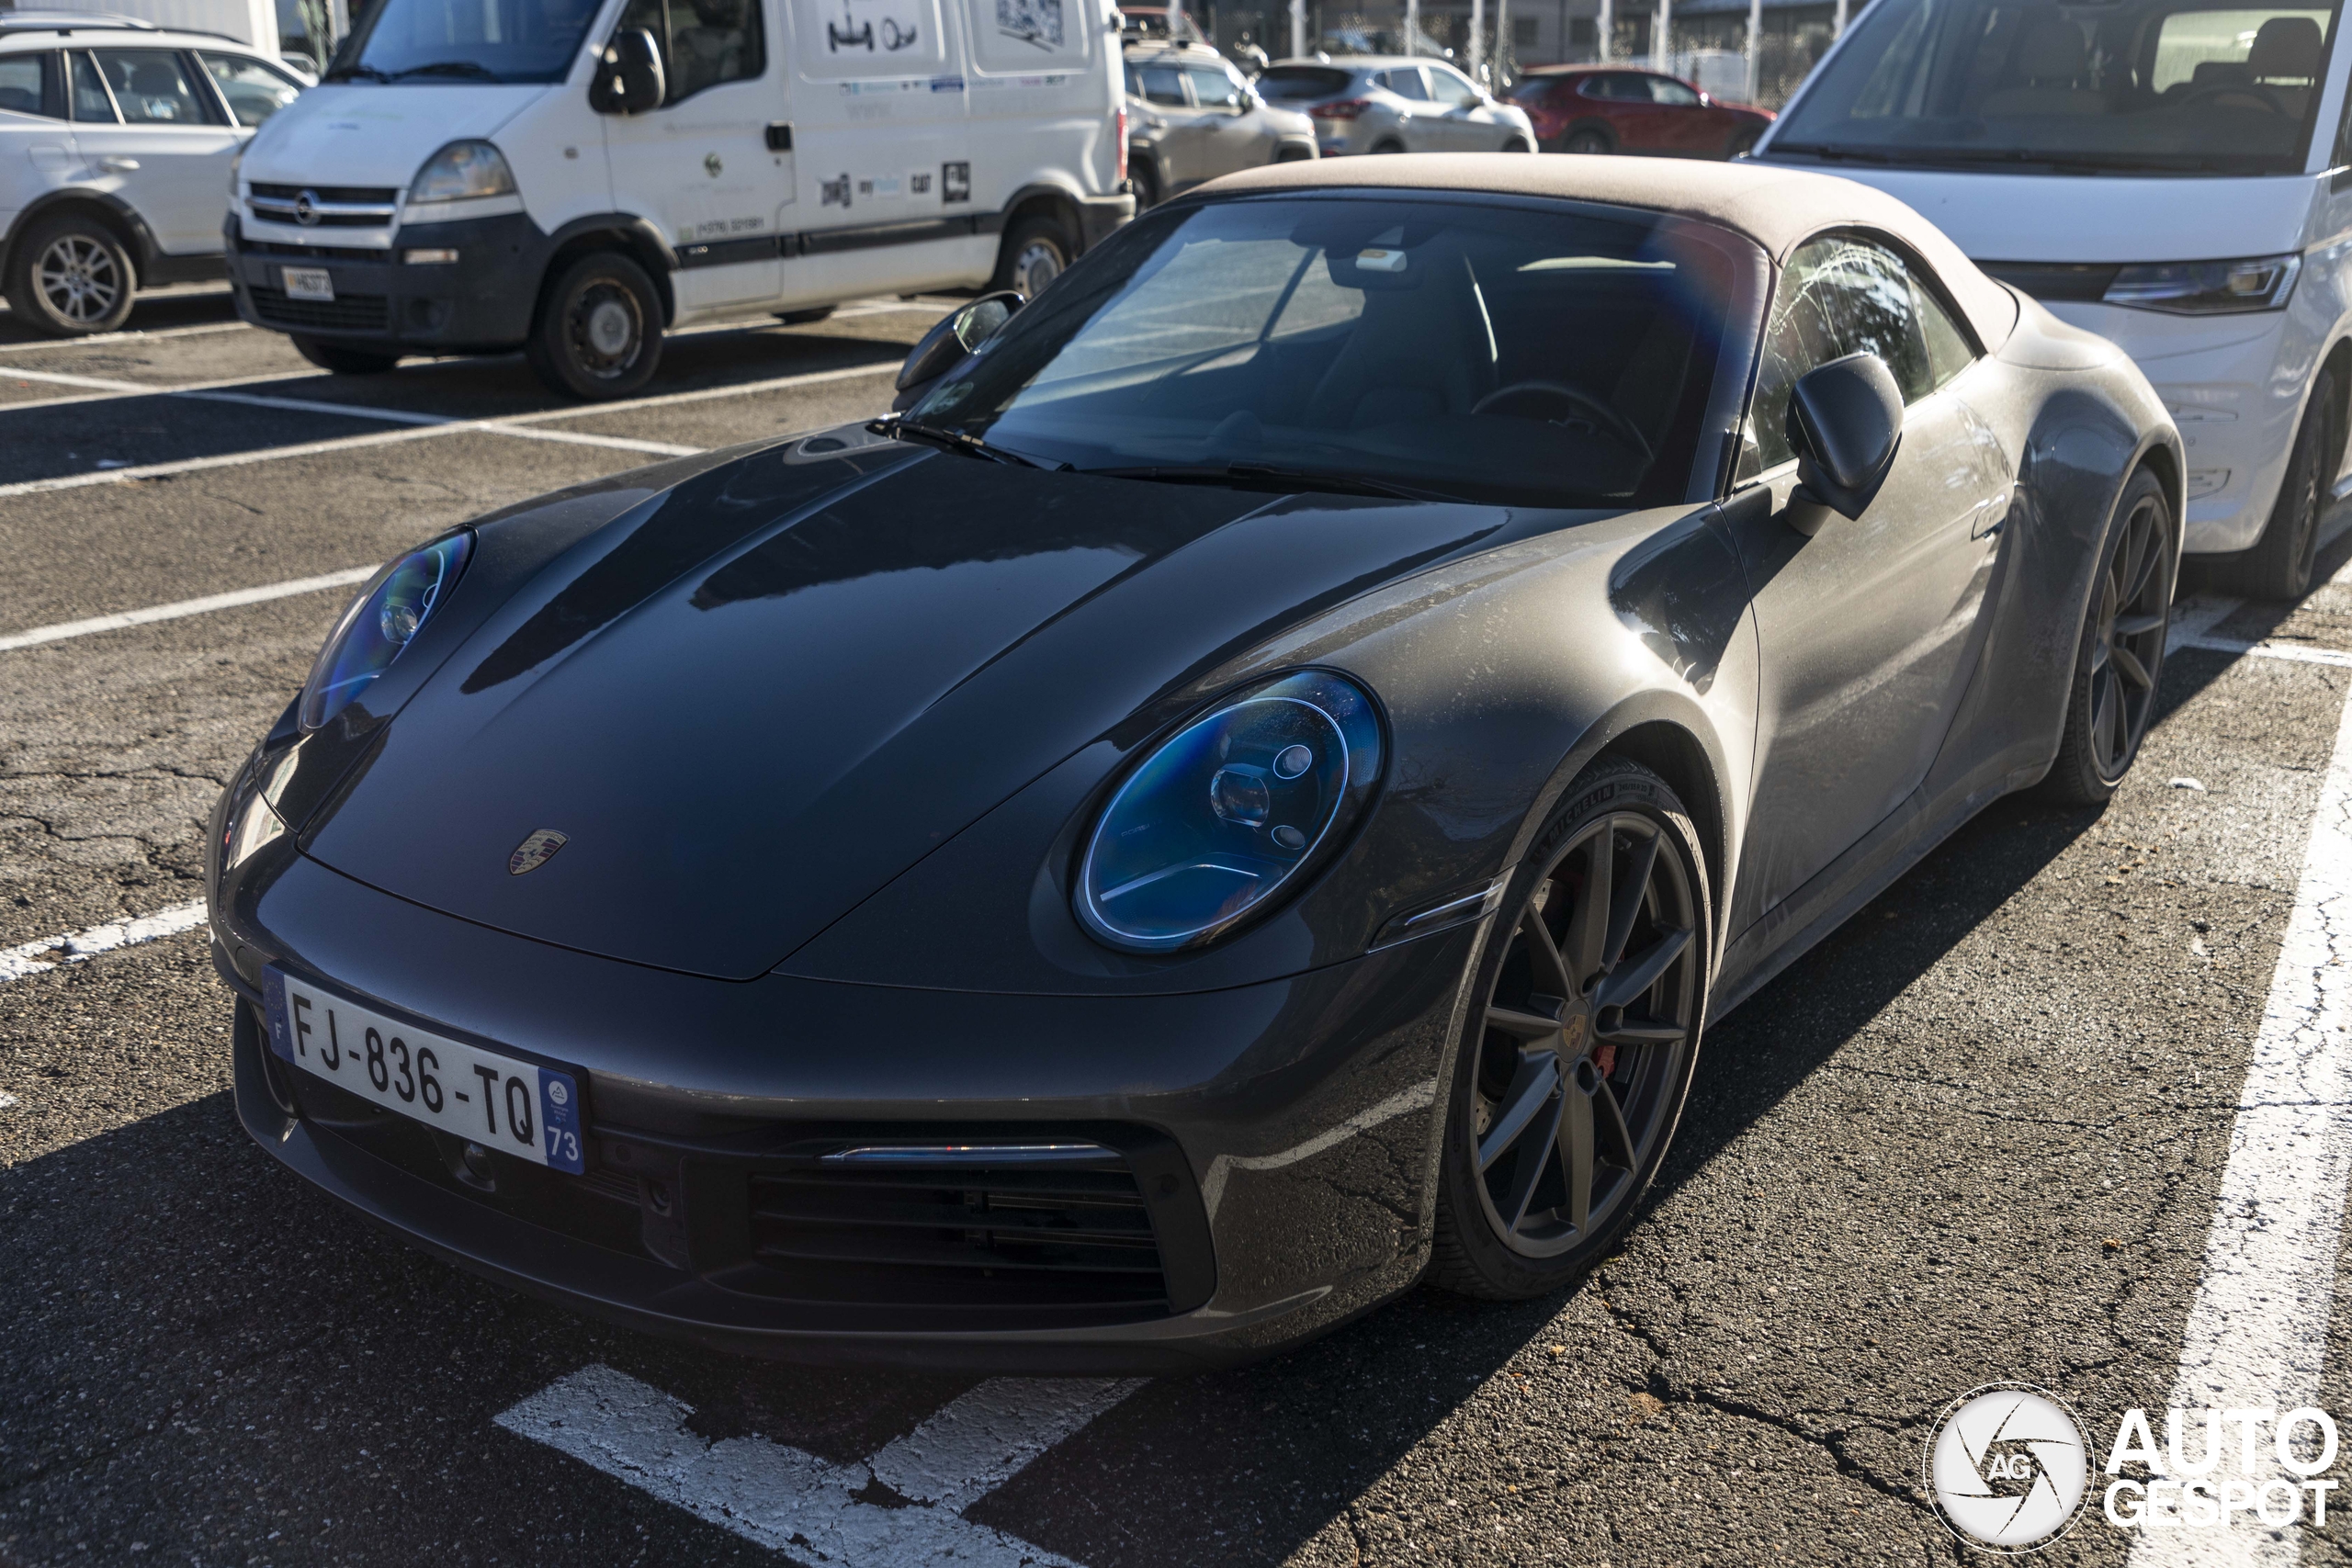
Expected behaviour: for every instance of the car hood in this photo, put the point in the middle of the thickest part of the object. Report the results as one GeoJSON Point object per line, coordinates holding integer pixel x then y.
{"type": "Point", "coordinates": [743, 739]}
{"type": "Point", "coordinates": [375, 134]}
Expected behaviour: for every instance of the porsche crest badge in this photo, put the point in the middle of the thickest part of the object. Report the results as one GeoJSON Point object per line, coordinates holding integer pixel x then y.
{"type": "Point", "coordinates": [536, 851]}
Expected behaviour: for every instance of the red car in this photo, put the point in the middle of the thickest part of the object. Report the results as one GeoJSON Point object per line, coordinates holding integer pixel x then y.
{"type": "Point", "coordinates": [1620, 108]}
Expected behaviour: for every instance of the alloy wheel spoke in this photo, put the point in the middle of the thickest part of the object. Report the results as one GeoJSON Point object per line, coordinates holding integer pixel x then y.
{"type": "Point", "coordinates": [1521, 1025]}
{"type": "Point", "coordinates": [2145, 565]}
{"type": "Point", "coordinates": [1528, 1172]}
{"type": "Point", "coordinates": [1614, 1139]}
{"type": "Point", "coordinates": [1642, 1032]}
{"type": "Point", "coordinates": [1627, 905]}
{"type": "Point", "coordinates": [1575, 1148]}
{"type": "Point", "coordinates": [2103, 715]}
{"type": "Point", "coordinates": [1588, 924]}
{"type": "Point", "coordinates": [2139, 624]}
{"type": "Point", "coordinates": [1531, 1089]}
{"type": "Point", "coordinates": [1544, 955]}
{"type": "Point", "coordinates": [2128, 557]}
{"type": "Point", "coordinates": [1625, 984]}
{"type": "Point", "coordinates": [2128, 665]}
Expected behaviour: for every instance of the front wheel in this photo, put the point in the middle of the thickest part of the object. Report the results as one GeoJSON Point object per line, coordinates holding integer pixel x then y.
{"type": "Point", "coordinates": [1517, 144]}
{"type": "Point", "coordinates": [599, 331]}
{"type": "Point", "coordinates": [2279, 565]}
{"type": "Point", "coordinates": [1574, 1066]}
{"type": "Point", "coordinates": [1585, 142]}
{"type": "Point", "coordinates": [1036, 252]}
{"type": "Point", "coordinates": [2122, 649]}
{"type": "Point", "coordinates": [71, 278]}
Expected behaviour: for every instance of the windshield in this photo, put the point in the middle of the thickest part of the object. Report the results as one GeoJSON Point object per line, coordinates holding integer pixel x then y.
{"type": "Point", "coordinates": [465, 40]}
{"type": "Point", "coordinates": [2152, 87]}
{"type": "Point", "coordinates": [1451, 348]}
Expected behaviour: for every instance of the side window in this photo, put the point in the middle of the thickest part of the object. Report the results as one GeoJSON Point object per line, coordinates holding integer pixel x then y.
{"type": "Point", "coordinates": [1837, 296]}
{"type": "Point", "coordinates": [704, 42]}
{"type": "Point", "coordinates": [1163, 84]}
{"type": "Point", "coordinates": [1212, 88]}
{"type": "Point", "coordinates": [151, 86]}
{"type": "Point", "coordinates": [1947, 350]}
{"type": "Point", "coordinates": [1665, 90]}
{"type": "Point", "coordinates": [91, 103]}
{"type": "Point", "coordinates": [1405, 81]}
{"type": "Point", "coordinates": [30, 83]}
{"type": "Point", "coordinates": [1449, 86]}
{"type": "Point", "coordinates": [253, 91]}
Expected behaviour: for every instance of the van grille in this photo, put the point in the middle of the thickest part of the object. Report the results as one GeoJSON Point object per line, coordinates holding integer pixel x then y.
{"type": "Point", "coordinates": [348, 313]}
{"type": "Point", "coordinates": [357, 196]}
{"type": "Point", "coordinates": [971, 1235]}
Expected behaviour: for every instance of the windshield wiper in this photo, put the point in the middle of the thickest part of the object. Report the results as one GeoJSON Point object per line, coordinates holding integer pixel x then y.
{"type": "Point", "coordinates": [1261, 476]}
{"type": "Point", "coordinates": [352, 73]}
{"type": "Point", "coordinates": [902, 428]}
{"type": "Point", "coordinates": [449, 68]}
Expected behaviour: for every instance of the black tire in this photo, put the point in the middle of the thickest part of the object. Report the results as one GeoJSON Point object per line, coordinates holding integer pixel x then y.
{"type": "Point", "coordinates": [342, 361]}
{"type": "Point", "coordinates": [1146, 180]}
{"type": "Point", "coordinates": [2121, 655]}
{"type": "Point", "coordinates": [71, 276]}
{"type": "Point", "coordinates": [805, 318]}
{"type": "Point", "coordinates": [1517, 144]}
{"type": "Point", "coordinates": [1036, 251]}
{"type": "Point", "coordinates": [1387, 147]}
{"type": "Point", "coordinates": [1294, 155]}
{"type": "Point", "coordinates": [1625, 1080]}
{"type": "Point", "coordinates": [599, 330]}
{"type": "Point", "coordinates": [1586, 140]}
{"type": "Point", "coordinates": [2279, 565]}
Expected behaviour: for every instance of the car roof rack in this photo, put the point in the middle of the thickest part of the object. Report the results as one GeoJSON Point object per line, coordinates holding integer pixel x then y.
{"type": "Point", "coordinates": [71, 21]}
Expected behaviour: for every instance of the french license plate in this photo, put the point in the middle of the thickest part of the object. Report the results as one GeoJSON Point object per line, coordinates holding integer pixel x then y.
{"type": "Point", "coordinates": [309, 283]}
{"type": "Point", "coordinates": [529, 1110]}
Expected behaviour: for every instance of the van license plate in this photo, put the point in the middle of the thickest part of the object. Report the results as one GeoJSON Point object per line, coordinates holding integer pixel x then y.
{"type": "Point", "coordinates": [309, 283]}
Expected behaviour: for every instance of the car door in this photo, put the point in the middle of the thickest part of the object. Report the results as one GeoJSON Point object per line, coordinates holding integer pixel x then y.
{"type": "Point", "coordinates": [1184, 133]}
{"type": "Point", "coordinates": [1636, 122]}
{"type": "Point", "coordinates": [1869, 629]}
{"type": "Point", "coordinates": [700, 165]}
{"type": "Point", "coordinates": [36, 140]}
{"type": "Point", "coordinates": [1417, 116]}
{"type": "Point", "coordinates": [1232, 136]}
{"type": "Point", "coordinates": [1464, 122]}
{"type": "Point", "coordinates": [157, 139]}
{"type": "Point", "coordinates": [1684, 126]}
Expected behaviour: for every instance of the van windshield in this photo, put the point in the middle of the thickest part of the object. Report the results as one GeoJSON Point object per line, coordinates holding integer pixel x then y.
{"type": "Point", "coordinates": [1451, 349]}
{"type": "Point", "coordinates": [465, 40]}
{"type": "Point", "coordinates": [2156, 86]}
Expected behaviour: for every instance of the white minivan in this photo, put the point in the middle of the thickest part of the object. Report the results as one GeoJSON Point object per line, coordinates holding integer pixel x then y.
{"type": "Point", "coordinates": [573, 176]}
{"type": "Point", "coordinates": [2173, 174]}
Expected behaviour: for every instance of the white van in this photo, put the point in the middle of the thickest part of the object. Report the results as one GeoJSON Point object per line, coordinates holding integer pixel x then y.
{"type": "Point", "coordinates": [2173, 174]}
{"type": "Point", "coordinates": [572, 176]}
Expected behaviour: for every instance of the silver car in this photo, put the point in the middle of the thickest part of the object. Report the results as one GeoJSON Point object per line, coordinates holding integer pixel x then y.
{"type": "Point", "coordinates": [1190, 117]}
{"type": "Point", "coordinates": [1395, 104]}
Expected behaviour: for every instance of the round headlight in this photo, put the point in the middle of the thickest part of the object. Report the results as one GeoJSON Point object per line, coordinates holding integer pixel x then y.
{"type": "Point", "coordinates": [380, 624]}
{"type": "Point", "coordinates": [1227, 811]}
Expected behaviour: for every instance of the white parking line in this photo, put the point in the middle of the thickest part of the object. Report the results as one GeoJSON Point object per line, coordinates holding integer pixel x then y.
{"type": "Point", "coordinates": [228, 600]}
{"type": "Point", "coordinates": [31, 958]}
{"type": "Point", "coordinates": [813, 1509]}
{"type": "Point", "coordinates": [2256, 1336]}
{"type": "Point", "coordinates": [520, 425]}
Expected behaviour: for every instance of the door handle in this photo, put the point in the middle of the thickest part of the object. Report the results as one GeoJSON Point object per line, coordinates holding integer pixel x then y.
{"type": "Point", "coordinates": [115, 165]}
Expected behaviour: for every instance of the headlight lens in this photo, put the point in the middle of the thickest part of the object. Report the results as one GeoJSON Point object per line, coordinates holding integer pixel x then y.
{"type": "Point", "coordinates": [380, 624]}
{"type": "Point", "coordinates": [1230, 810]}
{"type": "Point", "coordinates": [461, 172]}
{"type": "Point", "coordinates": [2207, 289]}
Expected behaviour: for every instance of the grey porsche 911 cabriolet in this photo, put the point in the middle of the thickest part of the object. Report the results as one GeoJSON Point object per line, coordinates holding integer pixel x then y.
{"type": "Point", "coordinates": [1239, 797]}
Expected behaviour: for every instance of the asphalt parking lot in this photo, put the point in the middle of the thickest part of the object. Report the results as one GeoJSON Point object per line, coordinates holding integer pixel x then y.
{"type": "Point", "coordinates": [1979, 1135]}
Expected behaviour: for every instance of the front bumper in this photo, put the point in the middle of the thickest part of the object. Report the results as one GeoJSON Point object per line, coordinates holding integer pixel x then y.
{"type": "Point", "coordinates": [1279, 1134]}
{"type": "Point", "coordinates": [481, 303]}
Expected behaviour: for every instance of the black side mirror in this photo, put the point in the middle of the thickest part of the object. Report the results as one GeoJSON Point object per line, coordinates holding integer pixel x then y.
{"type": "Point", "coordinates": [1845, 423]}
{"type": "Point", "coordinates": [630, 79]}
{"type": "Point", "coordinates": [952, 342]}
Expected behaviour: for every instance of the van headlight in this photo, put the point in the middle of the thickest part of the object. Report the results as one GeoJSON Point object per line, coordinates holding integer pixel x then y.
{"type": "Point", "coordinates": [463, 171]}
{"type": "Point", "coordinates": [380, 624]}
{"type": "Point", "coordinates": [2208, 288]}
{"type": "Point", "coordinates": [1233, 809]}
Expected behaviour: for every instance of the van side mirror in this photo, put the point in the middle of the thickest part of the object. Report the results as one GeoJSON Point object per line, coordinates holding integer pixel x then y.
{"type": "Point", "coordinates": [1845, 423]}
{"type": "Point", "coordinates": [629, 78]}
{"type": "Point", "coordinates": [951, 342]}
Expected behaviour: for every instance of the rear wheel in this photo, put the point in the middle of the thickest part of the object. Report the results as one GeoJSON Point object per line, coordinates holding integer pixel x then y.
{"type": "Point", "coordinates": [344, 361]}
{"type": "Point", "coordinates": [1389, 146]}
{"type": "Point", "coordinates": [1517, 145]}
{"type": "Point", "coordinates": [71, 278]}
{"type": "Point", "coordinates": [1146, 179]}
{"type": "Point", "coordinates": [1036, 251]}
{"type": "Point", "coordinates": [805, 318]}
{"type": "Point", "coordinates": [599, 331]}
{"type": "Point", "coordinates": [2122, 649]}
{"type": "Point", "coordinates": [2279, 565]}
{"type": "Point", "coordinates": [1587, 140]}
{"type": "Point", "coordinates": [1573, 1071]}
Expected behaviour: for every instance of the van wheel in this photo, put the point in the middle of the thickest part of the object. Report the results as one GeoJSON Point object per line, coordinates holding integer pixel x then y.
{"type": "Point", "coordinates": [2279, 565]}
{"type": "Point", "coordinates": [1036, 252]}
{"type": "Point", "coordinates": [344, 361]}
{"type": "Point", "coordinates": [71, 278]}
{"type": "Point", "coordinates": [599, 331]}
{"type": "Point", "coordinates": [1146, 181]}
{"type": "Point", "coordinates": [805, 318]}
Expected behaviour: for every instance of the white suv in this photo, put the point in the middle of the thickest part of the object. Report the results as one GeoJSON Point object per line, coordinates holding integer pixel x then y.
{"type": "Point", "coordinates": [116, 141]}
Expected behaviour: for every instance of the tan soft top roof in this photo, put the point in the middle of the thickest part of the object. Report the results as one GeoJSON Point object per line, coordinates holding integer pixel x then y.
{"type": "Point", "coordinates": [1777, 207]}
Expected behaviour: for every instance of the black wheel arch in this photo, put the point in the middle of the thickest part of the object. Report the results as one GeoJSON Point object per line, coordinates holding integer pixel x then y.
{"type": "Point", "coordinates": [1053, 201]}
{"type": "Point", "coordinates": [118, 216]}
{"type": "Point", "coordinates": [633, 237]}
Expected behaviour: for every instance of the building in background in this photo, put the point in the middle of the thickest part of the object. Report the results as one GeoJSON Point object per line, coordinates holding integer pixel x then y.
{"type": "Point", "coordinates": [303, 31]}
